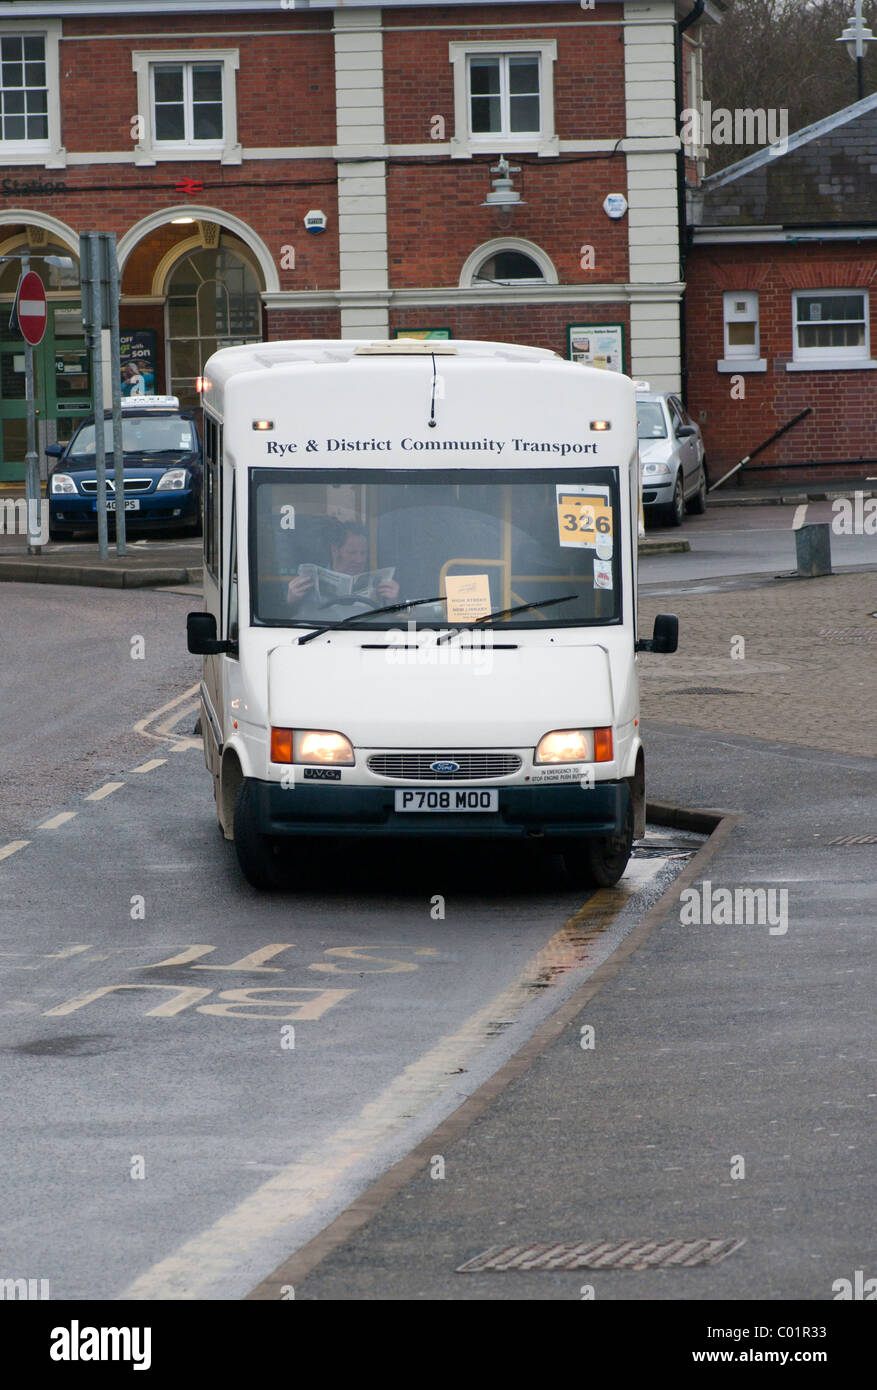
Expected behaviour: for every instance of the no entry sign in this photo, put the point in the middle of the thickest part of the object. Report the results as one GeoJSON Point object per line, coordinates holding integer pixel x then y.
{"type": "Point", "coordinates": [30, 307]}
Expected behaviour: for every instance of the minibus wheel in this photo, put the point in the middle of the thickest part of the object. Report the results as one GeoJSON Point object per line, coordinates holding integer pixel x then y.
{"type": "Point", "coordinates": [255, 852]}
{"type": "Point", "coordinates": [600, 861]}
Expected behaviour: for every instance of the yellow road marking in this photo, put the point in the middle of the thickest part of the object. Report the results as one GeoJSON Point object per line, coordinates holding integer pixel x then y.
{"type": "Point", "coordinates": [148, 767]}
{"type": "Point", "coordinates": [302, 1186]}
{"type": "Point", "coordinates": [106, 790]}
{"type": "Point", "coordinates": [54, 821]}
{"type": "Point", "coordinates": [12, 848]}
{"type": "Point", "coordinates": [174, 711]}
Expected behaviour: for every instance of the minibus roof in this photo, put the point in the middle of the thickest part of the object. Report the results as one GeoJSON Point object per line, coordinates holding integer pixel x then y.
{"type": "Point", "coordinates": [251, 358]}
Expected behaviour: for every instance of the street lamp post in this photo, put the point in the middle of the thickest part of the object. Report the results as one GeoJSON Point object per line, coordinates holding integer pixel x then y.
{"type": "Point", "coordinates": [856, 36]}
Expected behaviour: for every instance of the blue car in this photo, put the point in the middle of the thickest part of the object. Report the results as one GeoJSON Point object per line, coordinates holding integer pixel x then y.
{"type": "Point", "coordinates": [162, 471]}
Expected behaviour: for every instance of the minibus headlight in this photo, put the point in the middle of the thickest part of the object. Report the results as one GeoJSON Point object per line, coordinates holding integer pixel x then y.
{"type": "Point", "coordinates": [575, 746]}
{"type": "Point", "coordinates": [321, 746]}
{"type": "Point", "coordinates": [62, 482]}
{"type": "Point", "coordinates": [175, 479]}
{"type": "Point", "coordinates": [565, 746]}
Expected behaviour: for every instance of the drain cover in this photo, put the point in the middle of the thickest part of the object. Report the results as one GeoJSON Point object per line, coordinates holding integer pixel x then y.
{"type": "Point", "coordinates": [603, 1254]}
{"type": "Point", "coordinates": [854, 840]}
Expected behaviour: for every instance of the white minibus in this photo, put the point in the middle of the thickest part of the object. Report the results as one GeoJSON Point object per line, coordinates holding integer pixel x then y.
{"type": "Point", "coordinates": [420, 595]}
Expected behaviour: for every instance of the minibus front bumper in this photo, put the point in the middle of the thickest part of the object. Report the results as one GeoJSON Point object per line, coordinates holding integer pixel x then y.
{"type": "Point", "coordinates": [559, 813]}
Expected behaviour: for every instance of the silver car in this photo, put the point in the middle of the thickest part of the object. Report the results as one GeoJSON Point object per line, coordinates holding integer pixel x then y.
{"type": "Point", "coordinates": [672, 462]}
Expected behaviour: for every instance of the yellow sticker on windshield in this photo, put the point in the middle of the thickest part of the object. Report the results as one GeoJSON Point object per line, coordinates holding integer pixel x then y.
{"type": "Point", "coordinates": [581, 518]}
{"type": "Point", "coordinates": [468, 597]}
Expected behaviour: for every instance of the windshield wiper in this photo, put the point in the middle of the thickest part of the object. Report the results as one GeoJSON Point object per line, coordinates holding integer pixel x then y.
{"type": "Point", "coordinates": [506, 613]}
{"type": "Point", "coordinates": [373, 613]}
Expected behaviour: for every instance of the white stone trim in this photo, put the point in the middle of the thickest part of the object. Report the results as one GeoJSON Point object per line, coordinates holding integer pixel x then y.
{"type": "Point", "coordinates": [59, 230]}
{"type": "Point", "coordinates": [851, 365]}
{"type": "Point", "coordinates": [463, 144]}
{"type": "Point", "coordinates": [740, 365]}
{"type": "Point", "coordinates": [644, 296]}
{"type": "Point", "coordinates": [233, 224]}
{"type": "Point", "coordinates": [51, 154]}
{"type": "Point", "coordinates": [363, 255]}
{"type": "Point", "coordinates": [147, 151]}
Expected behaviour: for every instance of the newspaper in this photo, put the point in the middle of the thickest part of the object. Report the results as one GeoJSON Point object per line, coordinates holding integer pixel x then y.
{"type": "Point", "coordinates": [330, 585]}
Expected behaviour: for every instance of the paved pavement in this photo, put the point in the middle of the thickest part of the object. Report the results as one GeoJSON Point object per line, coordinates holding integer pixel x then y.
{"type": "Point", "coordinates": [734, 1096]}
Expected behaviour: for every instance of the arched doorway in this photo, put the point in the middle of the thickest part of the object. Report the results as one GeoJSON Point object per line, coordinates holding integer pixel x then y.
{"type": "Point", "coordinates": [61, 365]}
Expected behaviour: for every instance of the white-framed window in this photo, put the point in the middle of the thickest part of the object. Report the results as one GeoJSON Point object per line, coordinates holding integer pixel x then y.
{"type": "Point", "coordinates": [741, 324]}
{"type": "Point", "coordinates": [504, 97]}
{"type": "Point", "coordinates": [830, 326]}
{"type": "Point", "coordinates": [30, 111]}
{"type": "Point", "coordinates": [186, 102]}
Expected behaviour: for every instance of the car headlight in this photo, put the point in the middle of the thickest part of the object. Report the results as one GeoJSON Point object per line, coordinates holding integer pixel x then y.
{"type": "Point", "coordinates": [313, 746]}
{"type": "Point", "coordinates": [62, 482]}
{"type": "Point", "coordinates": [659, 470]}
{"type": "Point", "coordinates": [174, 480]}
{"type": "Point", "coordinates": [575, 746]}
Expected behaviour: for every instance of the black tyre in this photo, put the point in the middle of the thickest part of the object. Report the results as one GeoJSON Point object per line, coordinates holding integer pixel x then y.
{"type": "Point", "coordinates": [697, 504]}
{"type": "Point", "coordinates": [674, 515]}
{"type": "Point", "coordinates": [255, 852]}
{"type": "Point", "coordinates": [599, 862]}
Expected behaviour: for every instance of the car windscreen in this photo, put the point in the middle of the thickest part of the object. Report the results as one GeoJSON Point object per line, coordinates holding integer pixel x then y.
{"type": "Point", "coordinates": [141, 434]}
{"type": "Point", "coordinates": [328, 545]}
{"type": "Point", "coordinates": [650, 420]}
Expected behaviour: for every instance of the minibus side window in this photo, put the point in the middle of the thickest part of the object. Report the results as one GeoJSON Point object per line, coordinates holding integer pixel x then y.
{"type": "Point", "coordinates": [233, 578]}
{"type": "Point", "coordinates": [212, 495]}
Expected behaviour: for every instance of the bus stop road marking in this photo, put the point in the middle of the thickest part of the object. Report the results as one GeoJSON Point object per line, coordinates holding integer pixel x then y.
{"type": "Point", "coordinates": [55, 821]}
{"type": "Point", "coordinates": [302, 1187]}
{"type": "Point", "coordinates": [150, 765]}
{"type": "Point", "coordinates": [12, 848]}
{"type": "Point", "coordinates": [106, 790]}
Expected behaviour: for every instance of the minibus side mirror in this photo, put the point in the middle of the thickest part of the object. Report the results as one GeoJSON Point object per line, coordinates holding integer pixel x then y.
{"type": "Point", "coordinates": [665, 636]}
{"type": "Point", "coordinates": [201, 636]}
{"type": "Point", "coordinates": [54, 450]}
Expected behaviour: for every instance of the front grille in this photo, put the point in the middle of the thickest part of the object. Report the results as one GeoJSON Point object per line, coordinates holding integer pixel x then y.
{"type": "Point", "coordinates": [415, 767]}
{"type": "Point", "coordinates": [89, 485]}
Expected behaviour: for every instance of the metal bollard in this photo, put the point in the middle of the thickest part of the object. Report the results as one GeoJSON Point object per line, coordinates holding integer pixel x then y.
{"type": "Point", "coordinates": [813, 550]}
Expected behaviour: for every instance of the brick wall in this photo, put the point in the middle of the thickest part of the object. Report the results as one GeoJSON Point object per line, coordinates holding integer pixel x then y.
{"type": "Point", "coordinates": [843, 424]}
{"type": "Point", "coordinates": [533, 325]}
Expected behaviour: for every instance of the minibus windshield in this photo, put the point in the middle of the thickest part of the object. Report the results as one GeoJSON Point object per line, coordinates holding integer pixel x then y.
{"type": "Point", "coordinates": [330, 546]}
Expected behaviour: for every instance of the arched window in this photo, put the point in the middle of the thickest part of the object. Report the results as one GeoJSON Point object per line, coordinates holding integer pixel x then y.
{"type": "Point", "coordinates": [507, 262]}
{"type": "Point", "coordinates": [212, 302]}
{"type": "Point", "coordinates": [509, 268]}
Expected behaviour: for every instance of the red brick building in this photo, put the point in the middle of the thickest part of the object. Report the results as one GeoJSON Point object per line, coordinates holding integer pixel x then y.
{"type": "Point", "coordinates": [203, 135]}
{"type": "Point", "coordinates": [780, 313]}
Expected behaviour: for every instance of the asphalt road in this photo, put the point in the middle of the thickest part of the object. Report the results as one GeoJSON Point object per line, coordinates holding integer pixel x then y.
{"type": "Point", "coordinates": [198, 1077]}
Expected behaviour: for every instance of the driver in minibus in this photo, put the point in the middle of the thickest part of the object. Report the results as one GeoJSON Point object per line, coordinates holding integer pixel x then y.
{"type": "Point", "coordinates": [348, 546]}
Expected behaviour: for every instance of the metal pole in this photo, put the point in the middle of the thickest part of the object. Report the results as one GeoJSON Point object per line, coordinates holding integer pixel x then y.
{"type": "Point", "coordinates": [100, 455]}
{"type": "Point", "coordinates": [860, 70]}
{"type": "Point", "coordinates": [32, 490]}
{"type": "Point", "coordinates": [116, 375]}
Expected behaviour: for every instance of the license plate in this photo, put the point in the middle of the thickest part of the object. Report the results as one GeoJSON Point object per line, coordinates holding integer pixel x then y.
{"type": "Point", "coordinates": [131, 504]}
{"type": "Point", "coordinates": [455, 799]}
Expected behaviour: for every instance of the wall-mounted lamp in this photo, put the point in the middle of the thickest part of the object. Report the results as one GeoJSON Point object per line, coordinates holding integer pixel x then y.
{"type": "Point", "coordinates": [502, 194]}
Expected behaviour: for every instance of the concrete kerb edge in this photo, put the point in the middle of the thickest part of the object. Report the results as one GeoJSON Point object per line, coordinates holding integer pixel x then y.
{"type": "Point", "coordinates": [719, 824]}
{"type": "Point", "coordinates": [12, 572]}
